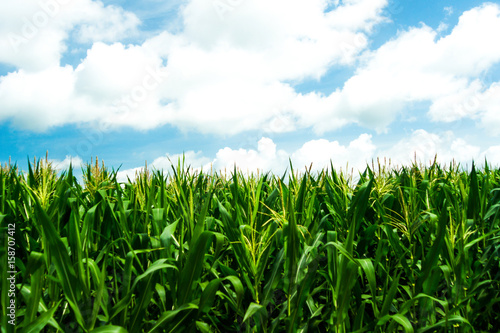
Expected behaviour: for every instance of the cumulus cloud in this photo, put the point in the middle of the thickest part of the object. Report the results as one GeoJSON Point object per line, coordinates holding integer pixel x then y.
{"type": "Point", "coordinates": [320, 153]}
{"type": "Point", "coordinates": [34, 101]}
{"type": "Point", "coordinates": [492, 156]}
{"type": "Point", "coordinates": [489, 106]}
{"type": "Point", "coordinates": [195, 160]}
{"type": "Point", "coordinates": [316, 155]}
{"type": "Point", "coordinates": [99, 90]}
{"type": "Point", "coordinates": [265, 158]}
{"type": "Point", "coordinates": [34, 34]}
{"type": "Point", "coordinates": [190, 158]}
{"type": "Point", "coordinates": [74, 161]}
{"type": "Point", "coordinates": [225, 74]}
{"type": "Point", "coordinates": [476, 102]}
{"type": "Point", "coordinates": [232, 70]}
{"type": "Point", "coordinates": [424, 147]}
{"type": "Point", "coordinates": [417, 66]}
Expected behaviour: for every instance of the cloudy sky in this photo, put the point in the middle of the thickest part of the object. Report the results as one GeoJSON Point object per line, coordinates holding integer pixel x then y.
{"type": "Point", "coordinates": [251, 82]}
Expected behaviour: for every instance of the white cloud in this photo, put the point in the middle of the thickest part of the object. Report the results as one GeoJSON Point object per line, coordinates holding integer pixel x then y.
{"type": "Point", "coordinates": [34, 34]}
{"type": "Point", "coordinates": [358, 14]}
{"type": "Point", "coordinates": [476, 101]}
{"type": "Point", "coordinates": [322, 154]}
{"type": "Point", "coordinates": [75, 161]}
{"type": "Point", "coordinates": [35, 101]}
{"type": "Point", "coordinates": [266, 158]}
{"type": "Point", "coordinates": [456, 105]}
{"type": "Point", "coordinates": [107, 62]}
{"type": "Point", "coordinates": [105, 23]}
{"type": "Point", "coordinates": [98, 90]}
{"type": "Point", "coordinates": [413, 67]}
{"type": "Point", "coordinates": [227, 78]}
{"type": "Point", "coordinates": [231, 73]}
{"type": "Point", "coordinates": [190, 158]}
{"type": "Point", "coordinates": [224, 75]}
{"type": "Point", "coordinates": [195, 160]}
{"type": "Point", "coordinates": [492, 155]}
{"type": "Point", "coordinates": [489, 105]}
{"type": "Point", "coordinates": [416, 66]}
{"type": "Point", "coordinates": [319, 153]}
{"type": "Point", "coordinates": [124, 175]}
{"type": "Point", "coordinates": [425, 146]}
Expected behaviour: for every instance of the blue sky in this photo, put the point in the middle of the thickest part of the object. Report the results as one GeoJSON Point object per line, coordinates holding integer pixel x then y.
{"type": "Point", "coordinates": [254, 83]}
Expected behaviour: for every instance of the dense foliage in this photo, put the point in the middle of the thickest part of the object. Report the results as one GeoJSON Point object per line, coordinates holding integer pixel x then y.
{"type": "Point", "coordinates": [404, 249]}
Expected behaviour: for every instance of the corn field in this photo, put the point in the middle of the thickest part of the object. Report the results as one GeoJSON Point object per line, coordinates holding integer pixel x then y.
{"type": "Point", "coordinates": [408, 249]}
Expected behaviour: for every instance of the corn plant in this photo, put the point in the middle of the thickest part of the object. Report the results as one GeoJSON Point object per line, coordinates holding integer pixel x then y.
{"type": "Point", "coordinates": [412, 248]}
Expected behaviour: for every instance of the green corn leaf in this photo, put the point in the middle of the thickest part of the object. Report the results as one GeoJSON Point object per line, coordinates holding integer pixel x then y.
{"type": "Point", "coordinates": [301, 296]}
{"type": "Point", "coordinates": [208, 295]}
{"type": "Point", "coordinates": [36, 263]}
{"type": "Point", "coordinates": [169, 316]}
{"type": "Point", "coordinates": [192, 269]}
{"type": "Point", "coordinates": [448, 322]}
{"type": "Point", "coordinates": [200, 222]}
{"type": "Point", "coordinates": [432, 256]}
{"type": "Point", "coordinates": [367, 266]}
{"type": "Point", "coordinates": [42, 321]}
{"type": "Point", "coordinates": [397, 318]}
{"type": "Point", "coordinates": [60, 259]}
{"type": "Point", "coordinates": [474, 201]}
{"type": "Point", "coordinates": [389, 297]}
{"type": "Point", "coordinates": [270, 286]}
{"type": "Point", "coordinates": [253, 310]}
{"type": "Point", "coordinates": [147, 288]}
{"type": "Point", "coordinates": [156, 266]}
{"type": "Point", "coordinates": [109, 329]}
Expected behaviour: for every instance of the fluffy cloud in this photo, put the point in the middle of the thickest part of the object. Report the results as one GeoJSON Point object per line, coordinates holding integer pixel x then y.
{"type": "Point", "coordinates": [477, 102]}
{"type": "Point", "coordinates": [233, 65]}
{"type": "Point", "coordinates": [492, 155]}
{"type": "Point", "coordinates": [34, 33]}
{"type": "Point", "coordinates": [226, 77]}
{"type": "Point", "coordinates": [489, 106]}
{"type": "Point", "coordinates": [227, 72]}
{"type": "Point", "coordinates": [97, 91]}
{"type": "Point", "coordinates": [315, 154]}
{"type": "Point", "coordinates": [424, 147]}
{"type": "Point", "coordinates": [321, 154]}
{"type": "Point", "coordinates": [266, 158]}
{"type": "Point", "coordinates": [195, 160]}
{"type": "Point", "coordinates": [34, 100]}
{"type": "Point", "coordinates": [75, 161]}
{"type": "Point", "coordinates": [417, 66]}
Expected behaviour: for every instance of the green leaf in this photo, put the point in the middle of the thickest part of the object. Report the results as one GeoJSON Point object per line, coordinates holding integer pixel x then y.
{"type": "Point", "coordinates": [208, 295]}
{"type": "Point", "coordinates": [398, 318]}
{"type": "Point", "coordinates": [367, 266]}
{"type": "Point", "coordinates": [474, 202]}
{"type": "Point", "coordinates": [301, 296]}
{"type": "Point", "coordinates": [451, 320]}
{"type": "Point", "coordinates": [252, 310]}
{"type": "Point", "coordinates": [192, 269]}
{"type": "Point", "coordinates": [60, 259]}
{"type": "Point", "coordinates": [168, 316]}
{"type": "Point", "coordinates": [42, 321]}
{"type": "Point", "coordinates": [389, 297]}
{"type": "Point", "coordinates": [36, 263]}
{"type": "Point", "coordinates": [123, 303]}
{"type": "Point", "coordinates": [109, 329]}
